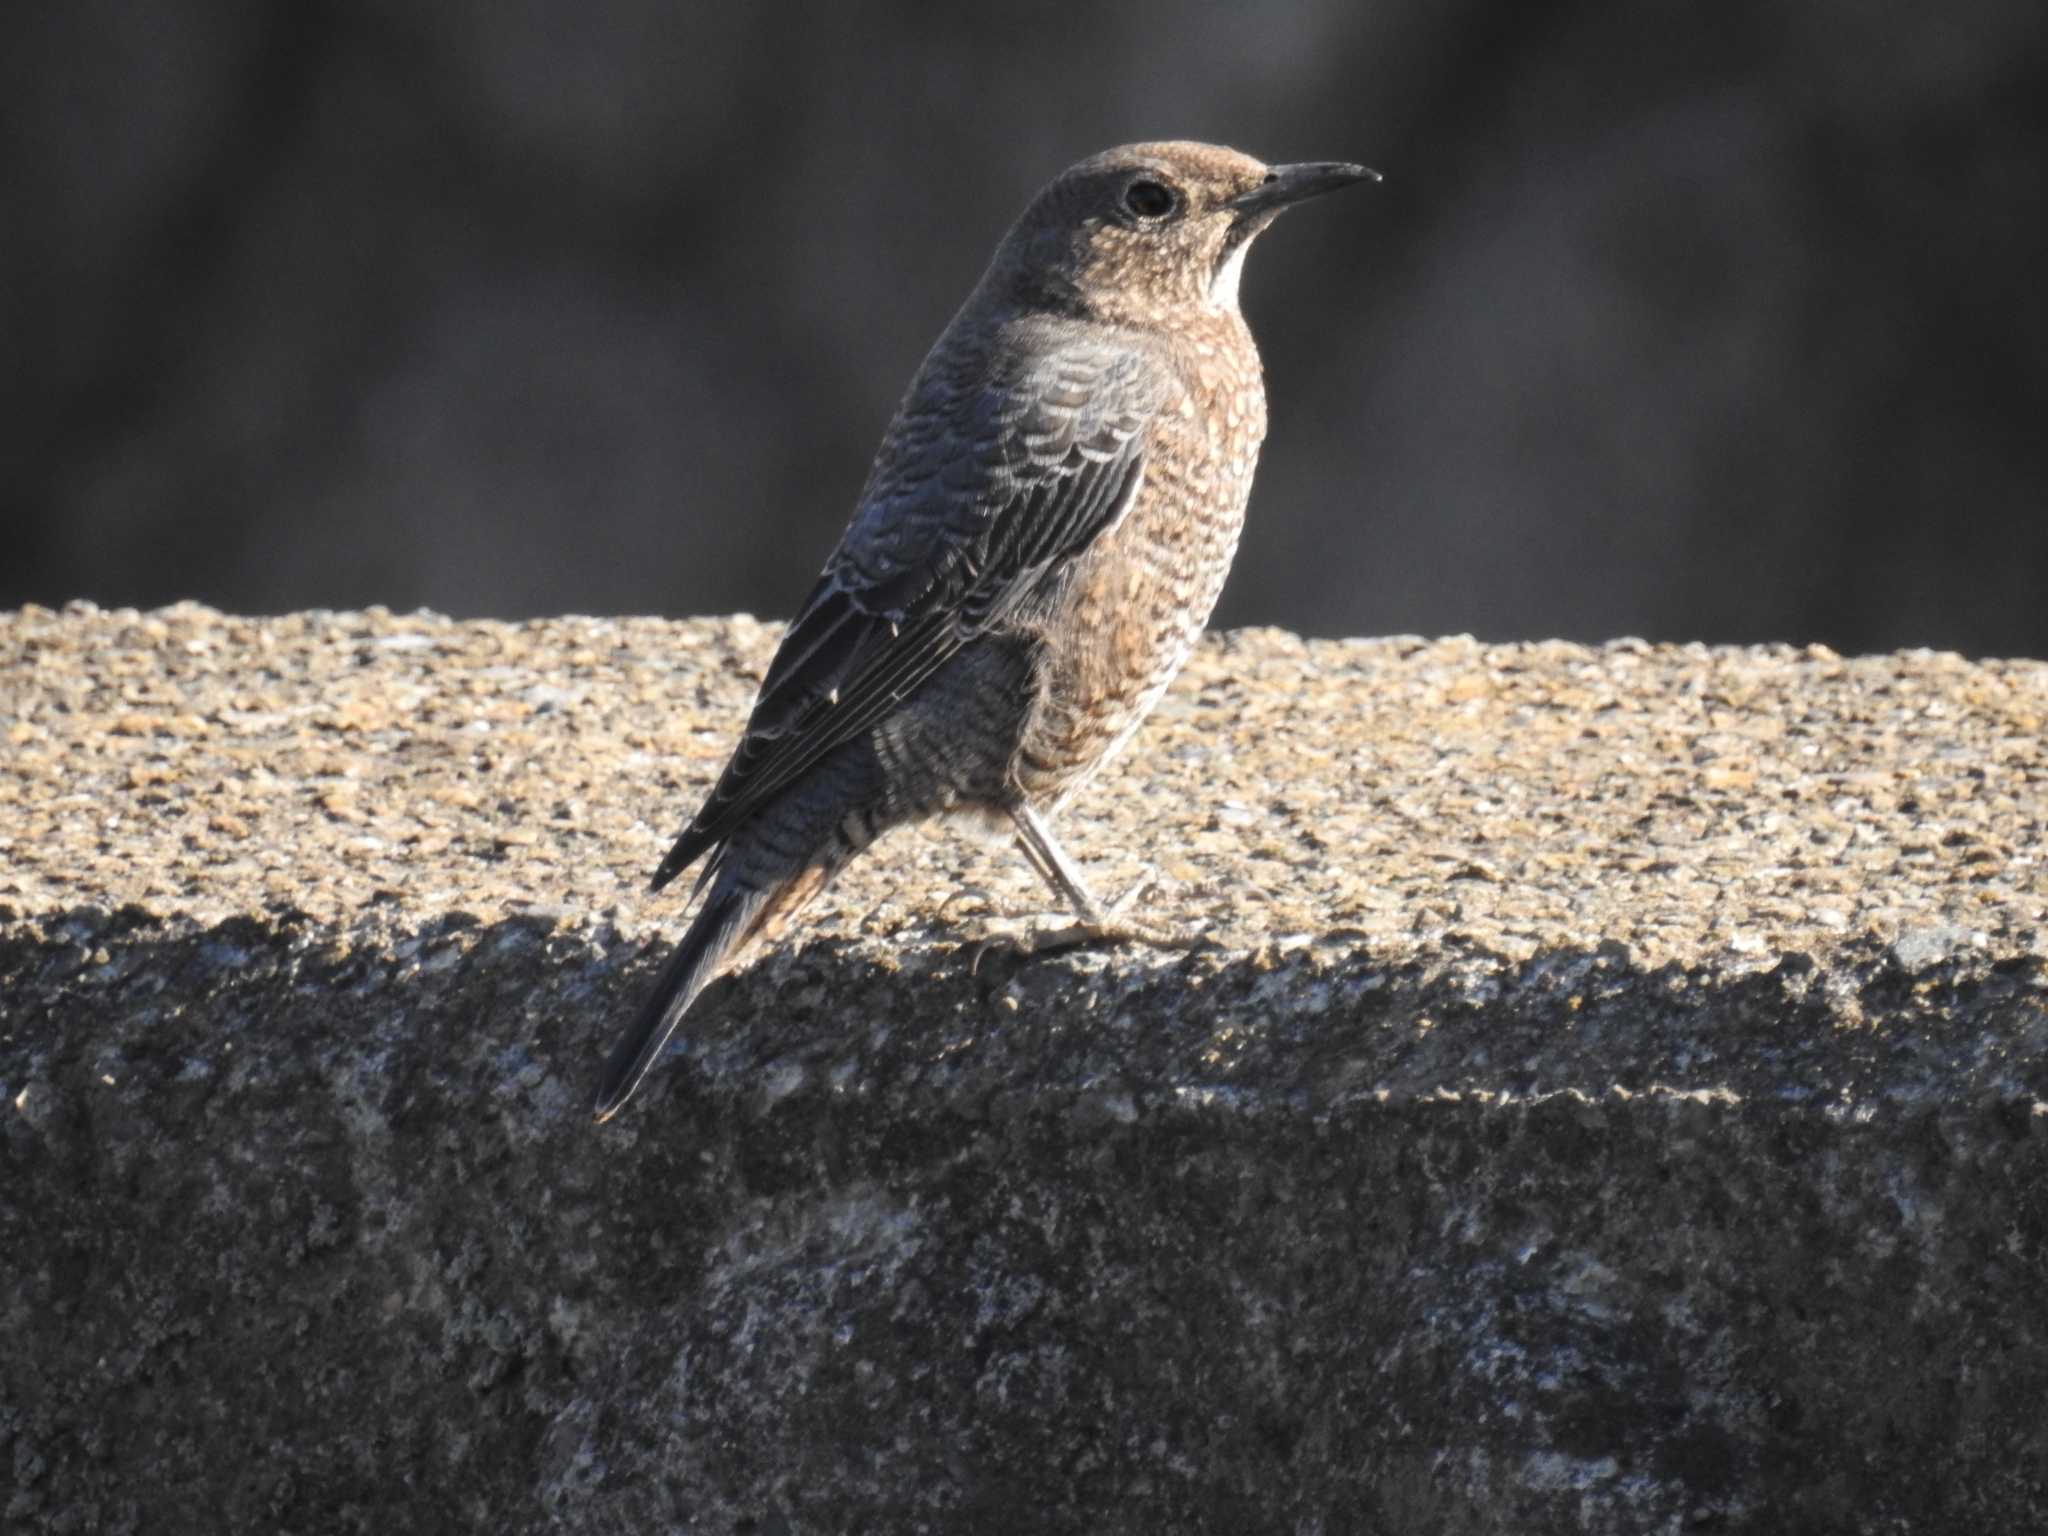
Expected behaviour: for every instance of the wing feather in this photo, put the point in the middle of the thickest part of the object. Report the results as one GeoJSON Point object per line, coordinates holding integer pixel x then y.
{"type": "Point", "coordinates": [979, 492]}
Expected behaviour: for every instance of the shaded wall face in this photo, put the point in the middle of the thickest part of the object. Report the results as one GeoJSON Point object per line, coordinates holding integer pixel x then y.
{"type": "Point", "coordinates": [1721, 325]}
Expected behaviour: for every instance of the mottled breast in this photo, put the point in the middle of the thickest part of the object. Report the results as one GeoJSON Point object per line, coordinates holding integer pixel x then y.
{"type": "Point", "coordinates": [1130, 609]}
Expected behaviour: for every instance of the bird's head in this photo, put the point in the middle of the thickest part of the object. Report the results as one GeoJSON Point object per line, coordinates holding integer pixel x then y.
{"type": "Point", "coordinates": [1141, 233]}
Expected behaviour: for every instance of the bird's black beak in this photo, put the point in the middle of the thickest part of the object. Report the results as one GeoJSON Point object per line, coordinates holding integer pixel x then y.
{"type": "Point", "coordinates": [1285, 184]}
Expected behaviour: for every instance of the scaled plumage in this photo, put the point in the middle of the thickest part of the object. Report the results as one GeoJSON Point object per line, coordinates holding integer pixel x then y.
{"type": "Point", "coordinates": [1044, 532]}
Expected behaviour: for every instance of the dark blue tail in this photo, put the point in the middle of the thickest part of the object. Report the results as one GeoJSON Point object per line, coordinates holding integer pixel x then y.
{"type": "Point", "coordinates": [727, 918]}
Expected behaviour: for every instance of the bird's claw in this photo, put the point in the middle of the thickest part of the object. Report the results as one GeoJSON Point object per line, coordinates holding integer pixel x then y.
{"type": "Point", "coordinates": [1111, 930]}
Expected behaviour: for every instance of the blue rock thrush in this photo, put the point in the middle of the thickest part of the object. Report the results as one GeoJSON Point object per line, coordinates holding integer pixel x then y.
{"type": "Point", "coordinates": [1040, 541]}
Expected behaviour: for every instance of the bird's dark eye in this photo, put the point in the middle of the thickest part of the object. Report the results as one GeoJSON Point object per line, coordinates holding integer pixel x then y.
{"type": "Point", "coordinates": [1150, 199]}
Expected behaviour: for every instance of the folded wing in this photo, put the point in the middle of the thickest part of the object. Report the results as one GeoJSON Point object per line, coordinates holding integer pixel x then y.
{"type": "Point", "coordinates": [983, 487]}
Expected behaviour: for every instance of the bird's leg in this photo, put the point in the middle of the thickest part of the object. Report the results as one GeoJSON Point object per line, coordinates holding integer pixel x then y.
{"type": "Point", "coordinates": [1093, 924]}
{"type": "Point", "coordinates": [1044, 854]}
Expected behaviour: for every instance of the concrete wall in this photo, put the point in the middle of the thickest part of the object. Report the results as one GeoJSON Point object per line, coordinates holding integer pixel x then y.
{"type": "Point", "coordinates": [1624, 1170]}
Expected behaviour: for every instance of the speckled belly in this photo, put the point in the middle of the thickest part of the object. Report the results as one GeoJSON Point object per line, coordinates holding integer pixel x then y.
{"type": "Point", "coordinates": [1135, 605]}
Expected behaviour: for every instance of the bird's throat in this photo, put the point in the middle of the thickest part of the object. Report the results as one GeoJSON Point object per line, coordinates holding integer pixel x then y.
{"type": "Point", "coordinates": [1223, 286]}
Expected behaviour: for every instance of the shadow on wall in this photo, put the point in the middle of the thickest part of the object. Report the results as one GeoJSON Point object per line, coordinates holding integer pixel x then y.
{"type": "Point", "coordinates": [1715, 325]}
{"type": "Point", "coordinates": [343, 1209]}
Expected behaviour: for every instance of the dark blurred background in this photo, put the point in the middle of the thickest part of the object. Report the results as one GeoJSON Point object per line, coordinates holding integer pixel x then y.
{"type": "Point", "coordinates": [1723, 322]}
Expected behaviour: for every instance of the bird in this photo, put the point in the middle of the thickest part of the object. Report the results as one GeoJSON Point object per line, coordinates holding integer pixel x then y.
{"type": "Point", "coordinates": [1038, 545]}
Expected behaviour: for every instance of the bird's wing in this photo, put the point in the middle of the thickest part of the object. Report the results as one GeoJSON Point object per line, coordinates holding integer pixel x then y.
{"type": "Point", "coordinates": [984, 485]}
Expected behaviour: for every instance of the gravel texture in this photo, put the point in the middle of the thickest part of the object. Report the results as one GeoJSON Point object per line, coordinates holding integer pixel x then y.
{"type": "Point", "coordinates": [1614, 1098]}
{"type": "Point", "coordinates": [1691, 803]}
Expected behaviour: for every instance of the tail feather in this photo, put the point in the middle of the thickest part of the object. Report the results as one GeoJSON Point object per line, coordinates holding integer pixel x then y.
{"type": "Point", "coordinates": [724, 922]}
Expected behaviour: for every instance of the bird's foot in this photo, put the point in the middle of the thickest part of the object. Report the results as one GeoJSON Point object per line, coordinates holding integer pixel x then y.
{"type": "Point", "coordinates": [1099, 930]}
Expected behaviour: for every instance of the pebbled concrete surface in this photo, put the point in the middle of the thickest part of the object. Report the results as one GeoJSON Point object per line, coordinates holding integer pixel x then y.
{"type": "Point", "coordinates": [1614, 1100]}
